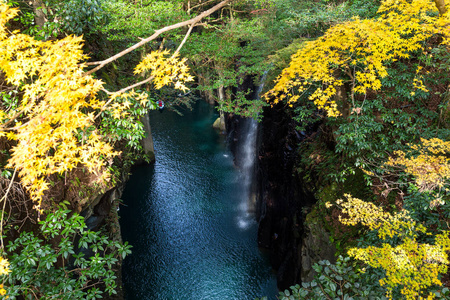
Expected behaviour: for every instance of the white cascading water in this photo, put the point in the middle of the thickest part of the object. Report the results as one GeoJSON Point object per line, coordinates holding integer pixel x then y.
{"type": "Point", "coordinates": [247, 153]}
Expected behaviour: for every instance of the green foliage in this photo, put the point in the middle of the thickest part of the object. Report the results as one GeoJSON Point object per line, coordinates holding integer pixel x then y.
{"type": "Point", "coordinates": [312, 18]}
{"type": "Point", "coordinates": [335, 281]}
{"type": "Point", "coordinates": [241, 105]}
{"type": "Point", "coordinates": [26, 16]}
{"type": "Point", "coordinates": [62, 17]}
{"type": "Point", "coordinates": [223, 57]}
{"type": "Point", "coordinates": [74, 16]}
{"type": "Point", "coordinates": [128, 129]}
{"type": "Point", "coordinates": [129, 21]}
{"type": "Point", "coordinates": [64, 261]}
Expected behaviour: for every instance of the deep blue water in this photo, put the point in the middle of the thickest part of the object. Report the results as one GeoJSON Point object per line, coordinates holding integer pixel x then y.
{"type": "Point", "coordinates": [187, 221]}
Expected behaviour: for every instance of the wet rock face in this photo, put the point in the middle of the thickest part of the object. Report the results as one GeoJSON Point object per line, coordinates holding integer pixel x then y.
{"type": "Point", "coordinates": [316, 246]}
{"type": "Point", "coordinates": [281, 196]}
{"type": "Point", "coordinates": [147, 142]}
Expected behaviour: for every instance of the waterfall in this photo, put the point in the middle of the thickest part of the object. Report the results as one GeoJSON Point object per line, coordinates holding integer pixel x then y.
{"type": "Point", "coordinates": [246, 150]}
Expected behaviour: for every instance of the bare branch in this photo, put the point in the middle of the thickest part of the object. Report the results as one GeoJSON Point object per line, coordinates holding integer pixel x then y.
{"type": "Point", "coordinates": [135, 85]}
{"type": "Point", "coordinates": [13, 118]}
{"type": "Point", "coordinates": [185, 39]}
{"type": "Point", "coordinates": [122, 91]}
{"type": "Point", "coordinates": [4, 198]}
{"type": "Point", "coordinates": [158, 32]}
{"type": "Point", "coordinates": [149, 78]}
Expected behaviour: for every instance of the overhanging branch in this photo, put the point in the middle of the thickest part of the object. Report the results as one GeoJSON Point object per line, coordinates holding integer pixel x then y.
{"type": "Point", "coordinates": [191, 22]}
{"type": "Point", "coordinates": [151, 77]}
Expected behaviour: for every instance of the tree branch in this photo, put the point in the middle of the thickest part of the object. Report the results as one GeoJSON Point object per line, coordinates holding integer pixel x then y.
{"type": "Point", "coordinates": [198, 5]}
{"type": "Point", "coordinates": [184, 39]}
{"type": "Point", "coordinates": [101, 64]}
{"type": "Point", "coordinates": [4, 198]}
{"type": "Point", "coordinates": [440, 4]}
{"type": "Point", "coordinates": [151, 77]}
{"type": "Point", "coordinates": [13, 118]}
{"type": "Point", "coordinates": [145, 80]}
{"type": "Point", "coordinates": [122, 91]}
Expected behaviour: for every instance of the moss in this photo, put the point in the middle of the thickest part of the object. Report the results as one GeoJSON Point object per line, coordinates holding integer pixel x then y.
{"type": "Point", "coordinates": [105, 76]}
{"type": "Point", "coordinates": [354, 185]}
{"type": "Point", "coordinates": [329, 193]}
{"type": "Point", "coordinates": [341, 236]}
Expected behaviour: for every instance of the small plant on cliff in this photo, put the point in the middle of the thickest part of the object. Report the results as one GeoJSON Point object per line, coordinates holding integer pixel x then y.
{"type": "Point", "coordinates": [63, 261]}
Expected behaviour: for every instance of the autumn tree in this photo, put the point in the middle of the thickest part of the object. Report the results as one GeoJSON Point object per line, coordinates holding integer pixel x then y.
{"type": "Point", "coordinates": [52, 117]}
{"type": "Point", "coordinates": [381, 85]}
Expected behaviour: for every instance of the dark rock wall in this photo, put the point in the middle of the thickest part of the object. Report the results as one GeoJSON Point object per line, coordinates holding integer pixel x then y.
{"type": "Point", "coordinates": [147, 141]}
{"type": "Point", "coordinates": [281, 196]}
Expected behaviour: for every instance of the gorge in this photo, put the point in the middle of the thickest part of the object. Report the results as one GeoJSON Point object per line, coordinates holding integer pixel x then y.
{"type": "Point", "coordinates": [342, 191]}
{"type": "Point", "coordinates": [189, 218]}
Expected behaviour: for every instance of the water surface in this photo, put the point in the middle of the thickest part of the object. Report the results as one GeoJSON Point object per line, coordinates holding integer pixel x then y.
{"type": "Point", "coordinates": [187, 221]}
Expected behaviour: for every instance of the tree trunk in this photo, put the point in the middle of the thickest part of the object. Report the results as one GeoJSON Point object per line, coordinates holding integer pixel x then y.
{"type": "Point", "coordinates": [147, 142]}
{"type": "Point", "coordinates": [40, 17]}
{"type": "Point", "coordinates": [440, 4]}
{"type": "Point", "coordinates": [220, 122]}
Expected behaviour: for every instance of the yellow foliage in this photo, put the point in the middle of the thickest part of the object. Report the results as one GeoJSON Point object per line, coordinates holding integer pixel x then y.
{"type": "Point", "coordinates": [375, 218]}
{"type": "Point", "coordinates": [56, 97]}
{"type": "Point", "coordinates": [411, 265]}
{"type": "Point", "coordinates": [165, 69]}
{"type": "Point", "coordinates": [360, 49]}
{"type": "Point", "coordinates": [53, 126]}
{"type": "Point", "coordinates": [4, 270]}
{"type": "Point", "coordinates": [2, 290]}
{"type": "Point", "coordinates": [4, 266]}
{"type": "Point", "coordinates": [429, 166]}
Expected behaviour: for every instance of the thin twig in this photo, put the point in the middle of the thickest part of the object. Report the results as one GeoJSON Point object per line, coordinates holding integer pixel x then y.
{"type": "Point", "coordinates": [149, 78]}
{"type": "Point", "coordinates": [122, 91]}
{"type": "Point", "coordinates": [184, 39]}
{"type": "Point", "coordinates": [201, 4]}
{"type": "Point", "coordinates": [13, 118]}
{"type": "Point", "coordinates": [4, 205]}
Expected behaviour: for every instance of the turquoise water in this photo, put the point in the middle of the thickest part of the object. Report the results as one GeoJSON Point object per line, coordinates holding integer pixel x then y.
{"type": "Point", "coordinates": [185, 217]}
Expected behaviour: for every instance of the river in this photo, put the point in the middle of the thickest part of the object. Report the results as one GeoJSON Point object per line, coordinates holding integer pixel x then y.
{"type": "Point", "coordinates": [186, 217]}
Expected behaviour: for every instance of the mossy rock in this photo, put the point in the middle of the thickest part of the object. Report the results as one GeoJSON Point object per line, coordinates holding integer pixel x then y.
{"type": "Point", "coordinates": [354, 185]}
{"type": "Point", "coordinates": [341, 236]}
{"type": "Point", "coordinates": [219, 124]}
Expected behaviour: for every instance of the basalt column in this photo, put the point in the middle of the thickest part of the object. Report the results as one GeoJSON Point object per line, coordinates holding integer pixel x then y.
{"type": "Point", "coordinates": [280, 196]}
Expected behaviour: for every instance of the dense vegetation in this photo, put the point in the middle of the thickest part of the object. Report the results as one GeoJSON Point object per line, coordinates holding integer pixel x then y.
{"type": "Point", "coordinates": [373, 75]}
{"type": "Point", "coordinates": [66, 141]}
{"type": "Point", "coordinates": [380, 85]}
